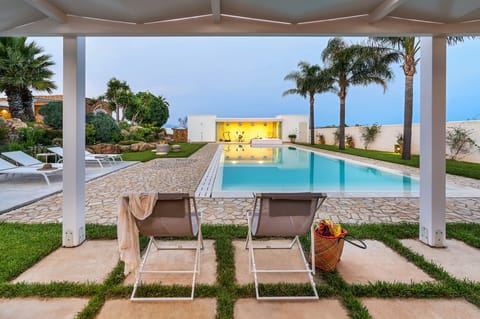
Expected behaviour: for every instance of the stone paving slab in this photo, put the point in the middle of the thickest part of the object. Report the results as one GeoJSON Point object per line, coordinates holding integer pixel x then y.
{"type": "Point", "coordinates": [377, 263]}
{"type": "Point", "coordinates": [458, 259]}
{"type": "Point", "coordinates": [179, 260]}
{"type": "Point", "coordinates": [90, 262]}
{"type": "Point", "coordinates": [420, 308]}
{"type": "Point", "coordinates": [323, 308]}
{"type": "Point", "coordinates": [199, 308]}
{"type": "Point", "coordinates": [53, 308]}
{"type": "Point", "coordinates": [269, 259]}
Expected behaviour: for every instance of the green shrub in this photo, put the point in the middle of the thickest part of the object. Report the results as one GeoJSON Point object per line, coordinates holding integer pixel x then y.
{"type": "Point", "coordinates": [15, 146]}
{"type": "Point", "coordinates": [106, 130]}
{"type": "Point", "coordinates": [124, 125]}
{"type": "Point", "coordinates": [459, 142]}
{"type": "Point", "coordinates": [90, 134]}
{"type": "Point", "coordinates": [3, 132]}
{"type": "Point", "coordinates": [57, 141]}
{"type": "Point", "coordinates": [31, 136]}
{"type": "Point", "coordinates": [369, 134]}
{"type": "Point", "coordinates": [52, 113]}
{"type": "Point", "coordinates": [51, 135]}
{"type": "Point", "coordinates": [142, 134]}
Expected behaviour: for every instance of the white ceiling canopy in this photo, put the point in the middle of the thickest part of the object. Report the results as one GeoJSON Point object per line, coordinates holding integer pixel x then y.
{"type": "Point", "coordinates": [239, 17]}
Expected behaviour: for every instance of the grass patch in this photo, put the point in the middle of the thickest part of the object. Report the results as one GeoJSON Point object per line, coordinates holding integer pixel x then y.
{"type": "Point", "coordinates": [23, 245]}
{"type": "Point", "coordinates": [187, 149]}
{"type": "Point", "coordinates": [459, 168]}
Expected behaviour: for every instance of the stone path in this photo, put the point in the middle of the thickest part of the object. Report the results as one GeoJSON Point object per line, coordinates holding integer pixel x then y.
{"type": "Point", "coordinates": [183, 175]}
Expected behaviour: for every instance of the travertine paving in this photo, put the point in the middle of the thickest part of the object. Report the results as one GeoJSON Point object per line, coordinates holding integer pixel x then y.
{"type": "Point", "coordinates": [420, 308]}
{"type": "Point", "coordinates": [90, 262]}
{"type": "Point", "coordinates": [377, 263]}
{"type": "Point", "coordinates": [125, 309]}
{"type": "Point", "coordinates": [183, 175]}
{"type": "Point", "coordinates": [55, 308]}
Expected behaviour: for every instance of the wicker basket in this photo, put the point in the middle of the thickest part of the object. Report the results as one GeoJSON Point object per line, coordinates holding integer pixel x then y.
{"type": "Point", "coordinates": [328, 250]}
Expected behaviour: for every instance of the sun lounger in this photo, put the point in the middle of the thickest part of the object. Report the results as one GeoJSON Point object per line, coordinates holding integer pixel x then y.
{"type": "Point", "coordinates": [88, 158]}
{"type": "Point", "coordinates": [8, 169]}
{"type": "Point", "coordinates": [26, 160]}
{"type": "Point", "coordinates": [113, 157]}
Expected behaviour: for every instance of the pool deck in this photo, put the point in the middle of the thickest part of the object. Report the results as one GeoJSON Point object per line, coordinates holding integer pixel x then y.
{"type": "Point", "coordinates": [184, 175]}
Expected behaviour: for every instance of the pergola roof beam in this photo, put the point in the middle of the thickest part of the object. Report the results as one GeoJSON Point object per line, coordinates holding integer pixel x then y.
{"type": "Point", "coordinates": [384, 9]}
{"type": "Point", "coordinates": [48, 9]}
{"type": "Point", "coordinates": [216, 10]}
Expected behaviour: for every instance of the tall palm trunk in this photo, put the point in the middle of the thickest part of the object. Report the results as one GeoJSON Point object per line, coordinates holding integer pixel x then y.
{"type": "Point", "coordinates": [407, 118]}
{"type": "Point", "coordinates": [312, 120]}
{"type": "Point", "coordinates": [27, 101]}
{"type": "Point", "coordinates": [15, 104]}
{"type": "Point", "coordinates": [341, 137]}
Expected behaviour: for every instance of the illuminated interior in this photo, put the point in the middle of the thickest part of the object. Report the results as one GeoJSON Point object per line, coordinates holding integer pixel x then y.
{"type": "Point", "coordinates": [239, 153]}
{"type": "Point", "coordinates": [243, 132]}
{"type": "Point", "coordinates": [5, 113]}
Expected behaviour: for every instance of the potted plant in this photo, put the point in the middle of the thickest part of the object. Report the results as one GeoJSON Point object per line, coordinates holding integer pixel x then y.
{"type": "Point", "coordinates": [397, 148]}
{"type": "Point", "coordinates": [321, 139]}
{"type": "Point", "coordinates": [292, 137]}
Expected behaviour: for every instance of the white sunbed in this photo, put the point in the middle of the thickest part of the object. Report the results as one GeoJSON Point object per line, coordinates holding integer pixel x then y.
{"type": "Point", "coordinates": [26, 160]}
{"type": "Point", "coordinates": [8, 168]}
{"type": "Point", "coordinates": [113, 157]}
{"type": "Point", "coordinates": [88, 158]}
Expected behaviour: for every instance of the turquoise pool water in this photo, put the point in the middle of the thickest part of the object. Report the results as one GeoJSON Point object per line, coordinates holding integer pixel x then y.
{"type": "Point", "coordinates": [246, 169]}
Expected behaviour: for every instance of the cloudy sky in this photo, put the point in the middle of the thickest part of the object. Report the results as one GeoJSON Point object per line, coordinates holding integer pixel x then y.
{"type": "Point", "coordinates": [244, 77]}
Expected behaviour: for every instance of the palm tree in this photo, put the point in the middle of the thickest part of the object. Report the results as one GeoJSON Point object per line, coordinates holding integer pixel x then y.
{"type": "Point", "coordinates": [407, 48]}
{"type": "Point", "coordinates": [311, 79]}
{"type": "Point", "coordinates": [23, 67]}
{"type": "Point", "coordinates": [355, 65]}
{"type": "Point", "coordinates": [118, 95]}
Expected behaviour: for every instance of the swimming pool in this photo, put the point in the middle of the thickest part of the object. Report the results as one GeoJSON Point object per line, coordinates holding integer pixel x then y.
{"type": "Point", "coordinates": [243, 169]}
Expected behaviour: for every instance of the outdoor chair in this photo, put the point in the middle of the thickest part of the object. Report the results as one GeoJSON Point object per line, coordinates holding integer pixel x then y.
{"type": "Point", "coordinates": [88, 158]}
{"type": "Point", "coordinates": [113, 157]}
{"type": "Point", "coordinates": [283, 215]}
{"type": "Point", "coordinates": [173, 215]}
{"type": "Point", "coordinates": [24, 159]}
{"type": "Point", "coordinates": [8, 169]}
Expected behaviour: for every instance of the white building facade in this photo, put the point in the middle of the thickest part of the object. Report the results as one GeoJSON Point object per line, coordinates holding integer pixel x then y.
{"type": "Point", "coordinates": [210, 128]}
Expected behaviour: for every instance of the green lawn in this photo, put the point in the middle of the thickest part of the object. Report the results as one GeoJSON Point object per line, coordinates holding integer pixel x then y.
{"type": "Point", "coordinates": [23, 245]}
{"type": "Point", "coordinates": [187, 150]}
{"type": "Point", "coordinates": [459, 168]}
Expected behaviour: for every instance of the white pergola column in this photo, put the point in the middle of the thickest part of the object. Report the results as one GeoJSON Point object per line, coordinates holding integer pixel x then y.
{"type": "Point", "coordinates": [432, 140]}
{"type": "Point", "coordinates": [73, 232]}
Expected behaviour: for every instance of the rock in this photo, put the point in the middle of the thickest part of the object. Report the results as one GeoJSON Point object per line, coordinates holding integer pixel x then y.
{"type": "Point", "coordinates": [14, 124]}
{"type": "Point", "coordinates": [142, 146]}
{"type": "Point", "coordinates": [105, 149]}
{"type": "Point", "coordinates": [176, 148]}
{"type": "Point", "coordinates": [124, 132]}
{"type": "Point", "coordinates": [125, 148]}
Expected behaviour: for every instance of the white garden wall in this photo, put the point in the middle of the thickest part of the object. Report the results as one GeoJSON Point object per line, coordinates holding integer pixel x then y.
{"type": "Point", "coordinates": [387, 137]}
{"type": "Point", "coordinates": [201, 128]}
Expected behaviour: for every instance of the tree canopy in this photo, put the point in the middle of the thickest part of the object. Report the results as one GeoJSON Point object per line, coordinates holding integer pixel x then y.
{"type": "Point", "coordinates": [147, 108]}
{"type": "Point", "coordinates": [309, 80]}
{"type": "Point", "coordinates": [23, 67]}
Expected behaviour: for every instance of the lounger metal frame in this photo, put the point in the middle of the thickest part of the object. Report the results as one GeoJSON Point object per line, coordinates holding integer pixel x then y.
{"type": "Point", "coordinates": [249, 244]}
{"type": "Point", "coordinates": [196, 265]}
